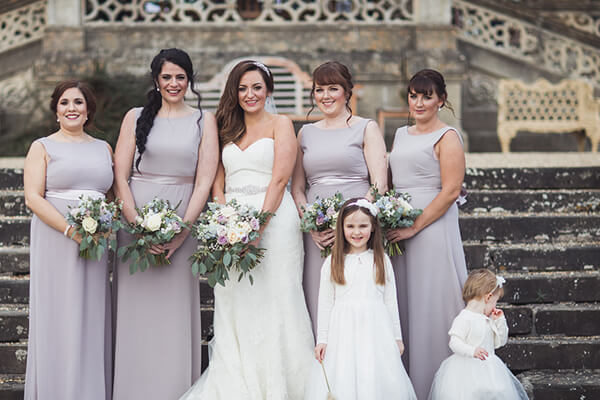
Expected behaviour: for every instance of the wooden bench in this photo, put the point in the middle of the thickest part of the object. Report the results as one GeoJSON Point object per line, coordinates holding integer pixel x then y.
{"type": "Point", "coordinates": [291, 94]}
{"type": "Point", "coordinates": [546, 108]}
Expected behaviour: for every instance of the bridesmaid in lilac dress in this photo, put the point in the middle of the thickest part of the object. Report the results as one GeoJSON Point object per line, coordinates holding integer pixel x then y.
{"type": "Point", "coordinates": [427, 161]}
{"type": "Point", "coordinates": [340, 153]}
{"type": "Point", "coordinates": [69, 354]}
{"type": "Point", "coordinates": [167, 150]}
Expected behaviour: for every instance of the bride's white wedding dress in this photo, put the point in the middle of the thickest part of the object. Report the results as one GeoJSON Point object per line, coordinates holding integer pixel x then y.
{"type": "Point", "coordinates": [263, 342]}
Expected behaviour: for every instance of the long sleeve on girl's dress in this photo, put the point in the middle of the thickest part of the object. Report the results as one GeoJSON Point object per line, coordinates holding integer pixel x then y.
{"type": "Point", "coordinates": [389, 298]}
{"type": "Point", "coordinates": [500, 329]}
{"type": "Point", "coordinates": [325, 303]}
{"type": "Point", "coordinates": [458, 337]}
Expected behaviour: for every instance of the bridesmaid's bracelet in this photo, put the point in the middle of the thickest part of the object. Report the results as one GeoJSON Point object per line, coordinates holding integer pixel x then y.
{"type": "Point", "coordinates": [66, 232]}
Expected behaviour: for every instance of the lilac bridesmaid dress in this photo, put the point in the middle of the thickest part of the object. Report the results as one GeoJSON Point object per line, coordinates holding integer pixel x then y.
{"type": "Point", "coordinates": [69, 353]}
{"type": "Point", "coordinates": [158, 336]}
{"type": "Point", "coordinates": [333, 162]}
{"type": "Point", "coordinates": [431, 273]}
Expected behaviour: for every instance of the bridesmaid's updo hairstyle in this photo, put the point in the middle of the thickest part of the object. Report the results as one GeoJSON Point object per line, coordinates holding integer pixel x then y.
{"type": "Point", "coordinates": [341, 247]}
{"type": "Point", "coordinates": [154, 99]}
{"type": "Point", "coordinates": [84, 88]}
{"type": "Point", "coordinates": [230, 115]}
{"type": "Point", "coordinates": [332, 73]}
{"type": "Point", "coordinates": [427, 82]}
{"type": "Point", "coordinates": [480, 283]}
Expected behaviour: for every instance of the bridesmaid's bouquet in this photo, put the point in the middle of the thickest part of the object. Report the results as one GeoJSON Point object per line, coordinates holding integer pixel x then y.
{"type": "Point", "coordinates": [94, 220]}
{"type": "Point", "coordinates": [156, 223]}
{"type": "Point", "coordinates": [395, 212]}
{"type": "Point", "coordinates": [321, 215]}
{"type": "Point", "coordinates": [225, 233]}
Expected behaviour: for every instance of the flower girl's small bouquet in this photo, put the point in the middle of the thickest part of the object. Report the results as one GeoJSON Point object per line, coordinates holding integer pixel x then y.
{"type": "Point", "coordinates": [225, 233]}
{"type": "Point", "coordinates": [321, 215]}
{"type": "Point", "coordinates": [395, 212]}
{"type": "Point", "coordinates": [94, 220]}
{"type": "Point", "coordinates": [156, 223]}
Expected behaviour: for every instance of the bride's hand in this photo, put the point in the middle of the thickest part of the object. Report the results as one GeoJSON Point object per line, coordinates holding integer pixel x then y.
{"type": "Point", "coordinates": [320, 350]}
{"type": "Point", "coordinates": [175, 243]}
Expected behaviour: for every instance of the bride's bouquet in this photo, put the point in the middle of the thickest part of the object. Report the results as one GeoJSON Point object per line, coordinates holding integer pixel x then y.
{"type": "Point", "coordinates": [156, 223]}
{"type": "Point", "coordinates": [395, 212]}
{"type": "Point", "coordinates": [94, 220]}
{"type": "Point", "coordinates": [225, 233]}
{"type": "Point", "coordinates": [321, 215]}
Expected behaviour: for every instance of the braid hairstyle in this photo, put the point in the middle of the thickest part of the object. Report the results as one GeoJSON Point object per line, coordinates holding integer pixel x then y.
{"type": "Point", "coordinates": [154, 99]}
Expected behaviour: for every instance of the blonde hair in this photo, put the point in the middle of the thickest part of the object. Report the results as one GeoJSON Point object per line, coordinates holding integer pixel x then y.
{"type": "Point", "coordinates": [341, 247]}
{"type": "Point", "coordinates": [480, 283]}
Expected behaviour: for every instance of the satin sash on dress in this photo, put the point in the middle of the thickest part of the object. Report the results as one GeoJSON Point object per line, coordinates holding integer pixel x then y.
{"type": "Point", "coordinates": [333, 180]}
{"type": "Point", "coordinates": [162, 179]}
{"type": "Point", "coordinates": [74, 194]}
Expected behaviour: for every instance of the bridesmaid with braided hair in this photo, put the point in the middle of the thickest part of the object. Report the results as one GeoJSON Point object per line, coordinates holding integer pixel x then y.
{"type": "Point", "coordinates": [169, 150]}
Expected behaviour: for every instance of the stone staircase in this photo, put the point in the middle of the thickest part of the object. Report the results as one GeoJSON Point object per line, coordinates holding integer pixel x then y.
{"type": "Point", "coordinates": [538, 227]}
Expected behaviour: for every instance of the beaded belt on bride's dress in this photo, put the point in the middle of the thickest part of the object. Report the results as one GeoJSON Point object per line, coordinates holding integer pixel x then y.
{"type": "Point", "coordinates": [247, 189]}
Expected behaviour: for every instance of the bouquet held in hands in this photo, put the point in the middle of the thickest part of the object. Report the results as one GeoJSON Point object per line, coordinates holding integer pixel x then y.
{"type": "Point", "coordinates": [94, 220]}
{"type": "Point", "coordinates": [225, 234]}
{"type": "Point", "coordinates": [157, 223]}
{"type": "Point", "coordinates": [395, 212]}
{"type": "Point", "coordinates": [321, 215]}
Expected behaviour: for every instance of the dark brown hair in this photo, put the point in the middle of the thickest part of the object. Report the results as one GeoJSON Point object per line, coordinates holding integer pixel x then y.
{"type": "Point", "coordinates": [429, 81]}
{"type": "Point", "coordinates": [84, 88]}
{"type": "Point", "coordinates": [230, 115]}
{"type": "Point", "coordinates": [341, 247]}
{"type": "Point", "coordinates": [332, 73]}
{"type": "Point", "coordinates": [480, 283]}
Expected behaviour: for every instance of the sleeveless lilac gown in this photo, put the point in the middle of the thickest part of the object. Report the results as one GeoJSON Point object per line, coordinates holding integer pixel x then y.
{"type": "Point", "coordinates": [69, 353]}
{"type": "Point", "coordinates": [431, 273]}
{"type": "Point", "coordinates": [333, 162]}
{"type": "Point", "coordinates": [158, 336]}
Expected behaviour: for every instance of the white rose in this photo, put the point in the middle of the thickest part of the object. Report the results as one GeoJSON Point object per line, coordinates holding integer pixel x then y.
{"type": "Point", "coordinates": [407, 207]}
{"type": "Point", "coordinates": [89, 225]}
{"type": "Point", "coordinates": [153, 222]}
{"type": "Point", "coordinates": [233, 237]}
{"type": "Point", "coordinates": [227, 211]}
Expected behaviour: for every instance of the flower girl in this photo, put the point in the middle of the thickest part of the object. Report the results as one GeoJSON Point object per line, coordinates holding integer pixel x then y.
{"type": "Point", "coordinates": [359, 340]}
{"type": "Point", "coordinates": [474, 372]}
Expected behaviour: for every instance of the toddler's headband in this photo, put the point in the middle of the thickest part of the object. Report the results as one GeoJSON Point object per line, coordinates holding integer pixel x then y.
{"type": "Point", "coordinates": [364, 203]}
{"type": "Point", "coordinates": [500, 281]}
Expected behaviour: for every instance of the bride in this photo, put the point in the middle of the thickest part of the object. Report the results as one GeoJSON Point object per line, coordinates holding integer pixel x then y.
{"type": "Point", "coordinates": [262, 346]}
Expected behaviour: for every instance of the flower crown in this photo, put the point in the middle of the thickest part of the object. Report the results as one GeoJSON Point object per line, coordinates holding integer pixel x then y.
{"type": "Point", "coordinates": [364, 203]}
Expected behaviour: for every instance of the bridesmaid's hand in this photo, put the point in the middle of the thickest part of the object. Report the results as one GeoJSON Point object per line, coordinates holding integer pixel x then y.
{"type": "Point", "coordinates": [156, 249]}
{"type": "Point", "coordinates": [320, 350]}
{"type": "Point", "coordinates": [324, 238]}
{"type": "Point", "coordinates": [174, 244]}
{"type": "Point", "coordinates": [400, 346]}
{"type": "Point", "coordinates": [396, 235]}
{"type": "Point", "coordinates": [74, 235]}
{"type": "Point", "coordinates": [480, 353]}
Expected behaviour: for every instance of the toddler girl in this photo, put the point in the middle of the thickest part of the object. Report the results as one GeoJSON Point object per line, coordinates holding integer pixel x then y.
{"type": "Point", "coordinates": [474, 372]}
{"type": "Point", "coordinates": [358, 334]}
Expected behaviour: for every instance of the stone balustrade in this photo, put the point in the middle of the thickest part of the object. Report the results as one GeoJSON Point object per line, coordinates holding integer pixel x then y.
{"type": "Point", "coordinates": [22, 25]}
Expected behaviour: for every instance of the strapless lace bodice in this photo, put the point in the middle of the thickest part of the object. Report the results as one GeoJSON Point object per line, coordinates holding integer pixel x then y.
{"type": "Point", "coordinates": [251, 167]}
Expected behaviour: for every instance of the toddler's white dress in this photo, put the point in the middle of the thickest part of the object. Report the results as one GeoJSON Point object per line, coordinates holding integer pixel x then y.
{"type": "Point", "coordinates": [360, 324]}
{"type": "Point", "coordinates": [464, 377]}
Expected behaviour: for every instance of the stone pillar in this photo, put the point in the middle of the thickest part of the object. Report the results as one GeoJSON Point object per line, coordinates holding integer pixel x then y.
{"type": "Point", "coordinates": [433, 12]}
{"type": "Point", "coordinates": [64, 13]}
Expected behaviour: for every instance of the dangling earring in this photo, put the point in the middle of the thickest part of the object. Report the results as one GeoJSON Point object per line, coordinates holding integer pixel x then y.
{"type": "Point", "coordinates": [157, 89]}
{"type": "Point", "coordinates": [57, 120]}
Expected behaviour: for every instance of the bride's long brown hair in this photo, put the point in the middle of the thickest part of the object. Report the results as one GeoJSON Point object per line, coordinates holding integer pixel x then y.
{"type": "Point", "coordinates": [341, 247]}
{"type": "Point", "coordinates": [230, 115]}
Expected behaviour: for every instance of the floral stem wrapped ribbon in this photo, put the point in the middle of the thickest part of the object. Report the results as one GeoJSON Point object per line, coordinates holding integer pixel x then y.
{"type": "Point", "coordinates": [156, 223]}
{"type": "Point", "coordinates": [321, 215]}
{"type": "Point", "coordinates": [95, 220]}
{"type": "Point", "coordinates": [395, 212]}
{"type": "Point", "coordinates": [225, 233]}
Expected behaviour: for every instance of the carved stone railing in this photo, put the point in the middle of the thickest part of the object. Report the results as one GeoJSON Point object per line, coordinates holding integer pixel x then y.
{"type": "Point", "coordinates": [22, 25]}
{"type": "Point", "coordinates": [526, 42]}
{"type": "Point", "coordinates": [583, 21]}
{"type": "Point", "coordinates": [263, 12]}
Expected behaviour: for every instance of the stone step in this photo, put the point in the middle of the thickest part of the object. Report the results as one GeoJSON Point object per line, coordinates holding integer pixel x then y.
{"type": "Point", "coordinates": [14, 357]}
{"type": "Point", "coordinates": [14, 323]}
{"type": "Point", "coordinates": [551, 287]}
{"type": "Point", "coordinates": [529, 353]}
{"type": "Point", "coordinates": [532, 178]}
{"type": "Point", "coordinates": [12, 204]}
{"type": "Point", "coordinates": [521, 227]}
{"type": "Point", "coordinates": [14, 231]}
{"type": "Point", "coordinates": [14, 290]}
{"type": "Point", "coordinates": [562, 384]}
{"type": "Point", "coordinates": [14, 260]}
{"type": "Point", "coordinates": [576, 255]}
{"type": "Point", "coordinates": [559, 201]}
{"type": "Point", "coordinates": [11, 179]}
{"type": "Point", "coordinates": [11, 386]}
{"type": "Point", "coordinates": [566, 319]}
